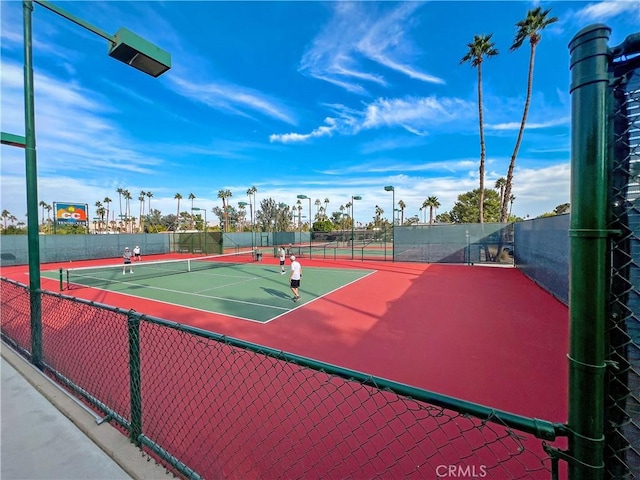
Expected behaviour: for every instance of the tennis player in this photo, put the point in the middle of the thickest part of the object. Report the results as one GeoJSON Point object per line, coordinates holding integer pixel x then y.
{"type": "Point", "coordinates": [127, 260]}
{"type": "Point", "coordinates": [296, 275]}
{"type": "Point", "coordinates": [136, 253]}
{"type": "Point", "coordinates": [282, 253]}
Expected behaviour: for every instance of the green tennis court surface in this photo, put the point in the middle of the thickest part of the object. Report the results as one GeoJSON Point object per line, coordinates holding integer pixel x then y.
{"type": "Point", "coordinates": [251, 291]}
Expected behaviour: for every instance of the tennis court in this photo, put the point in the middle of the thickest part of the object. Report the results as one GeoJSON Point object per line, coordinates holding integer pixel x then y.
{"type": "Point", "coordinates": [222, 284]}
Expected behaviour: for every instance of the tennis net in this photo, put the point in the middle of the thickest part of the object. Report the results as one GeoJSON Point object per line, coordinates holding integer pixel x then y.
{"type": "Point", "coordinates": [106, 274]}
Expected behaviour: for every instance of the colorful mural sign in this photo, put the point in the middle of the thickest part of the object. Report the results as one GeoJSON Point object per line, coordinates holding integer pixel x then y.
{"type": "Point", "coordinates": [71, 213]}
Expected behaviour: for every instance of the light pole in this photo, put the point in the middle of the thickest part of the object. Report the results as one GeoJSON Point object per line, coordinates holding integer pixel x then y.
{"type": "Point", "coordinates": [303, 197]}
{"type": "Point", "coordinates": [390, 188]}
{"type": "Point", "coordinates": [124, 46]}
{"type": "Point", "coordinates": [204, 229]}
{"type": "Point", "coordinates": [353, 220]}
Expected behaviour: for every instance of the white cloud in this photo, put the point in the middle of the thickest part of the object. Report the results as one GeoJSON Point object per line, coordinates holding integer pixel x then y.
{"type": "Point", "coordinates": [231, 98]}
{"type": "Point", "coordinates": [358, 33]}
{"type": "Point", "coordinates": [416, 115]}
{"type": "Point", "coordinates": [601, 11]}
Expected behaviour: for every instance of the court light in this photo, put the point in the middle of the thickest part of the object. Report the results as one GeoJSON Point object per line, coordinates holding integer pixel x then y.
{"type": "Point", "coordinates": [353, 220]}
{"type": "Point", "coordinates": [205, 215]}
{"type": "Point", "coordinates": [138, 53]}
{"type": "Point", "coordinates": [124, 46]}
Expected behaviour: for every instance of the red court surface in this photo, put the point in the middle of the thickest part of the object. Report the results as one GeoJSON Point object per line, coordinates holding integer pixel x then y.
{"type": "Point", "coordinates": [483, 334]}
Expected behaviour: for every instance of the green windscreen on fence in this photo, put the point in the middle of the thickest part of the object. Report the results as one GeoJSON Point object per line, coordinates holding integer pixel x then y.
{"type": "Point", "coordinates": [466, 243]}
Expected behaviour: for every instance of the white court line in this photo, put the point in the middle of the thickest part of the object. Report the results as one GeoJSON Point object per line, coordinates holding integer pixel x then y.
{"type": "Point", "coordinates": [285, 310]}
{"type": "Point", "coordinates": [205, 296]}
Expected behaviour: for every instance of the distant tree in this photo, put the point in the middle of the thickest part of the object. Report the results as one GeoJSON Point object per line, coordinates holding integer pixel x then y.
{"type": "Point", "coordinates": [43, 204]}
{"type": "Point", "coordinates": [500, 184]}
{"type": "Point", "coordinates": [192, 198]}
{"type": "Point", "coordinates": [465, 210]}
{"type": "Point", "coordinates": [402, 206]}
{"type": "Point", "coordinates": [120, 190]}
{"type": "Point", "coordinates": [107, 201]}
{"type": "Point", "coordinates": [178, 197]}
{"type": "Point", "coordinates": [378, 213]}
{"type": "Point", "coordinates": [142, 197]}
{"type": "Point", "coordinates": [481, 47]}
{"type": "Point", "coordinates": [432, 204]}
{"type": "Point", "coordinates": [529, 28]}
{"type": "Point", "coordinates": [223, 195]}
{"type": "Point", "coordinates": [5, 217]}
{"type": "Point", "coordinates": [127, 197]}
{"type": "Point", "coordinates": [559, 210]}
{"type": "Point", "coordinates": [149, 195]}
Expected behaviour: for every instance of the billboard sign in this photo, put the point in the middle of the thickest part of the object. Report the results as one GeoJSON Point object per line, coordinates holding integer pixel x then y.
{"type": "Point", "coordinates": [71, 213]}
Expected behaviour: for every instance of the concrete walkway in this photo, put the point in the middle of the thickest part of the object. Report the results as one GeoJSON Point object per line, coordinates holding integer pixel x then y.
{"type": "Point", "coordinates": [46, 434]}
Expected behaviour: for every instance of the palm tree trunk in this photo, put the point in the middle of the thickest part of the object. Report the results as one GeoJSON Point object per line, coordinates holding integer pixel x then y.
{"type": "Point", "coordinates": [507, 189]}
{"type": "Point", "coordinates": [482, 146]}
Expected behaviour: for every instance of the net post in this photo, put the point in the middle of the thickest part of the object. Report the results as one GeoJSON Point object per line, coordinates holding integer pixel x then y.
{"type": "Point", "coordinates": [61, 280]}
{"type": "Point", "coordinates": [588, 250]}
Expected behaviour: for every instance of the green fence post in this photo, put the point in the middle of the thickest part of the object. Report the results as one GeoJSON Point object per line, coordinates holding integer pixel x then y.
{"type": "Point", "coordinates": [135, 385]}
{"type": "Point", "coordinates": [588, 250]}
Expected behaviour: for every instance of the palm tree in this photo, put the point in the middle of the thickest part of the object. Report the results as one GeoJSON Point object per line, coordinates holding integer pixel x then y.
{"type": "Point", "coordinates": [127, 209]}
{"type": "Point", "coordinates": [178, 197]}
{"type": "Point", "coordinates": [432, 203]}
{"type": "Point", "coordinates": [43, 204]}
{"type": "Point", "coordinates": [120, 191]}
{"type": "Point", "coordinates": [317, 203]}
{"type": "Point", "coordinates": [511, 199]}
{"type": "Point", "coordinates": [108, 201]}
{"type": "Point", "coordinates": [224, 194]}
{"type": "Point", "coordinates": [100, 211]}
{"type": "Point", "coordinates": [530, 28]}
{"type": "Point", "coordinates": [481, 47]}
{"type": "Point", "coordinates": [252, 207]}
{"type": "Point", "coordinates": [500, 183]}
{"type": "Point", "coordinates": [402, 206]}
{"type": "Point", "coordinates": [149, 195]}
{"type": "Point", "coordinates": [5, 215]}
{"type": "Point", "coordinates": [48, 208]}
{"type": "Point", "coordinates": [326, 207]}
{"type": "Point", "coordinates": [98, 207]}
{"type": "Point", "coordinates": [379, 212]}
{"type": "Point", "coordinates": [192, 197]}
{"type": "Point", "coordinates": [141, 197]}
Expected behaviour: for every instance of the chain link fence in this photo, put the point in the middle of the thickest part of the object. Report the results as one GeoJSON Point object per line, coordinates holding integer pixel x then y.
{"type": "Point", "coordinates": [208, 406]}
{"type": "Point", "coordinates": [622, 426]}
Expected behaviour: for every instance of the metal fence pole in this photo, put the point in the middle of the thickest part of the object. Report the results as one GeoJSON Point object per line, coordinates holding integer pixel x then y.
{"type": "Point", "coordinates": [588, 237]}
{"type": "Point", "coordinates": [135, 382]}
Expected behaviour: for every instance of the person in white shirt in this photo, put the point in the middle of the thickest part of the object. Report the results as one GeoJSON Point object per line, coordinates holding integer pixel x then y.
{"type": "Point", "coordinates": [281, 255]}
{"type": "Point", "coordinates": [136, 253]}
{"type": "Point", "coordinates": [127, 261]}
{"type": "Point", "coordinates": [296, 275]}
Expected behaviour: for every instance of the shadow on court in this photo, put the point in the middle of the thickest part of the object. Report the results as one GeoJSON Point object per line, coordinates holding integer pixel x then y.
{"type": "Point", "coordinates": [276, 293]}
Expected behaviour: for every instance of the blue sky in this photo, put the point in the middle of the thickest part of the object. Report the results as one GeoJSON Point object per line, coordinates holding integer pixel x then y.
{"type": "Point", "coordinates": [324, 99]}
